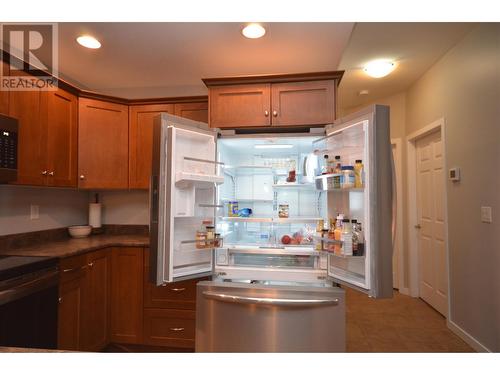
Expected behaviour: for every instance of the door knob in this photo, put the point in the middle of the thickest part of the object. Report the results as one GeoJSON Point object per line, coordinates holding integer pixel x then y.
{"type": "Point", "coordinates": [418, 226]}
{"type": "Point", "coordinates": [44, 173]}
{"type": "Point", "coordinates": [275, 113]}
{"type": "Point", "coordinates": [266, 113]}
{"type": "Point", "coordinates": [82, 177]}
{"type": "Point", "coordinates": [51, 173]}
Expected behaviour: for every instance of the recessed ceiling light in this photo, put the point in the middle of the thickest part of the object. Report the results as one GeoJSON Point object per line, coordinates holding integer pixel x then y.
{"type": "Point", "coordinates": [88, 41]}
{"type": "Point", "coordinates": [379, 68]}
{"type": "Point", "coordinates": [253, 31]}
{"type": "Point", "coordinates": [363, 92]}
{"type": "Point", "coordinates": [273, 146]}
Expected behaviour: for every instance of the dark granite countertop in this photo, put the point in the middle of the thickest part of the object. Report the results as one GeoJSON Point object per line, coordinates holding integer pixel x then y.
{"type": "Point", "coordinates": [63, 248]}
{"type": "Point", "coordinates": [12, 349]}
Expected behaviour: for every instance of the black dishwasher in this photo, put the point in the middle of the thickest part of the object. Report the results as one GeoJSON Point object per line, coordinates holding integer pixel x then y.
{"type": "Point", "coordinates": [28, 302]}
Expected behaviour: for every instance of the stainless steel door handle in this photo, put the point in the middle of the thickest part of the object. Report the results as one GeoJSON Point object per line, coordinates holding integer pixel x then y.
{"type": "Point", "coordinates": [270, 301]}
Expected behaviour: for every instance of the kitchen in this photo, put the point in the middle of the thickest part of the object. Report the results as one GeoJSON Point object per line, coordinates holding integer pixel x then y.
{"type": "Point", "coordinates": [204, 207]}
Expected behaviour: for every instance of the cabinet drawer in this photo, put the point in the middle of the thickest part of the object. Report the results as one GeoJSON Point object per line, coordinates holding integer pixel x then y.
{"type": "Point", "coordinates": [72, 268]}
{"type": "Point", "coordinates": [167, 327]}
{"type": "Point", "coordinates": [180, 295]}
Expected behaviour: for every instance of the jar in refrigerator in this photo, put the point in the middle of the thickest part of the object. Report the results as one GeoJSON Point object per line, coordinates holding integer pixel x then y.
{"type": "Point", "coordinates": [330, 165]}
{"type": "Point", "coordinates": [320, 225]}
{"type": "Point", "coordinates": [324, 167]}
{"type": "Point", "coordinates": [217, 240]}
{"type": "Point", "coordinates": [324, 236]}
{"type": "Point", "coordinates": [346, 238]}
{"type": "Point", "coordinates": [210, 237]}
{"type": "Point", "coordinates": [232, 208]}
{"type": "Point", "coordinates": [337, 165]}
{"type": "Point", "coordinates": [347, 176]}
{"type": "Point", "coordinates": [283, 210]}
{"type": "Point", "coordinates": [358, 174]}
{"type": "Point", "coordinates": [201, 238]}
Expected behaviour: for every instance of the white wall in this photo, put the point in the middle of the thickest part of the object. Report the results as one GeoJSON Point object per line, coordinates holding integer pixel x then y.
{"type": "Point", "coordinates": [464, 88]}
{"type": "Point", "coordinates": [57, 208]}
{"type": "Point", "coordinates": [124, 207]}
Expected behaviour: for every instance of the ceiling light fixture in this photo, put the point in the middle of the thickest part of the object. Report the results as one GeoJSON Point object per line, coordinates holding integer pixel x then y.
{"type": "Point", "coordinates": [88, 41]}
{"type": "Point", "coordinates": [253, 31]}
{"type": "Point", "coordinates": [273, 146]}
{"type": "Point", "coordinates": [379, 68]}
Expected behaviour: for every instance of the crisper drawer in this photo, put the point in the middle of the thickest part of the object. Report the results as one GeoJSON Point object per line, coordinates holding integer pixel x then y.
{"type": "Point", "coordinates": [167, 327]}
{"type": "Point", "coordinates": [237, 317]}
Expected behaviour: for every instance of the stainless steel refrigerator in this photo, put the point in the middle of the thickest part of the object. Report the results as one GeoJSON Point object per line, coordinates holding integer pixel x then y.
{"type": "Point", "coordinates": [253, 211]}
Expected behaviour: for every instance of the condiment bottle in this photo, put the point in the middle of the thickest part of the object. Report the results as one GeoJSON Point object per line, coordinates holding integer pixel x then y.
{"type": "Point", "coordinates": [346, 238]}
{"type": "Point", "coordinates": [358, 174]}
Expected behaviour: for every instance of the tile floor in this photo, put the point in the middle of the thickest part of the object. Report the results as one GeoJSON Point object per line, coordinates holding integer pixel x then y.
{"type": "Point", "coordinates": [400, 324]}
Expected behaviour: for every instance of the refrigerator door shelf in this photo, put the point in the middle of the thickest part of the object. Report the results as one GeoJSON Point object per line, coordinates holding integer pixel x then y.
{"type": "Point", "coordinates": [203, 181]}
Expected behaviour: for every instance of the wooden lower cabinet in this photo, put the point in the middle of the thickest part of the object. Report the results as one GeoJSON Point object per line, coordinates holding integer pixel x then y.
{"type": "Point", "coordinates": [126, 295]}
{"type": "Point", "coordinates": [84, 302]}
{"type": "Point", "coordinates": [169, 327]}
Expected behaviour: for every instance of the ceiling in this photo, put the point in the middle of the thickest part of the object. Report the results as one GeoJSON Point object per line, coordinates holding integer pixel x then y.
{"type": "Point", "coordinates": [414, 46]}
{"type": "Point", "coordinates": [140, 60]}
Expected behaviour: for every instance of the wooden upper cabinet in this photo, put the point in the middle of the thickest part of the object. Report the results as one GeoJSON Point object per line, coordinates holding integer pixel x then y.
{"type": "Point", "coordinates": [193, 111]}
{"type": "Point", "coordinates": [303, 103]}
{"type": "Point", "coordinates": [32, 137]}
{"type": "Point", "coordinates": [62, 138]}
{"type": "Point", "coordinates": [4, 95]}
{"type": "Point", "coordinates": [102, 145]}
{"type": "Point", "coordinates": [306, 99]}
{"type": "Point", "coordinates": [141, 119]}
{"type": "Point", "coordinates": [240, 106]}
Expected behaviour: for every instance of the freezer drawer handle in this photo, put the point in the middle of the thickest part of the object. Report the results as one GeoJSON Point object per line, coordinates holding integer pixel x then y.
{"type": "Point", "coordinates": [270, 301]}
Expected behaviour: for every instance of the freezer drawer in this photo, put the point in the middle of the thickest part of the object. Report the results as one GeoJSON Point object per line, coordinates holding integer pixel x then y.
{"type": "Point", "coordinates": [237, 317]}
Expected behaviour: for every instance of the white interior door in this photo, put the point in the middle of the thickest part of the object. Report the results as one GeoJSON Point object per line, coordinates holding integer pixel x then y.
{"type": "Point", "coordinates": [433, 275]}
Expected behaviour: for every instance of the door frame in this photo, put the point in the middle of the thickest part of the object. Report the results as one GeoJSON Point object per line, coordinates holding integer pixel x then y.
{"type": "Point", "coordinates": [398, 143]}
{"type": "Point", "coordinates": [411, 140]}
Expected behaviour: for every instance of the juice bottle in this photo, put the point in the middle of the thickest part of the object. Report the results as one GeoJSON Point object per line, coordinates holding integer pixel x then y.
{"type": "Point", "coordinates": [358, 174]}
{"type": "Point", "coordinates": [338, 233]}
{"type": "Point", "coordinates": [346, 237]}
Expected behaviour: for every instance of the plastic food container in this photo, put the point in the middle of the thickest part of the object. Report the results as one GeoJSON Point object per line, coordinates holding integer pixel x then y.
{"type": "Point", "coordinates": [283, 210]}
{"type": "Point", "coordinates": [232, 208]}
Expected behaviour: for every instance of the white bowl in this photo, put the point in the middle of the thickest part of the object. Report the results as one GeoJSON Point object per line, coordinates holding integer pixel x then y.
{"type": "Point", "coordinates": [79, 231]}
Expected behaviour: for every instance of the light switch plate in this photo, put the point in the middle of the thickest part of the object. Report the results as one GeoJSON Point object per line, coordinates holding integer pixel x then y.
{"type": "Point", "coordinates": [454, 174]}
{"type": "Point", "coordinates": [34, 212]}
{"type": "Point", "coordinates": [486, 215]}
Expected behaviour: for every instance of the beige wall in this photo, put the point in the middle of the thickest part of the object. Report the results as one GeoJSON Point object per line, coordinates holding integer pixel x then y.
{"type": "Point", "coordinates": [57, 208]}
{"type": "Point", "coordinates": [464, 88]}
{"type": "Point", "coordinates": [125, 207]}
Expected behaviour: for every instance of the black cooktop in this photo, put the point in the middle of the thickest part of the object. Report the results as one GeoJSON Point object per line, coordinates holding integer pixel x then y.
{"type": "Point", "coordinates": [12, 266]}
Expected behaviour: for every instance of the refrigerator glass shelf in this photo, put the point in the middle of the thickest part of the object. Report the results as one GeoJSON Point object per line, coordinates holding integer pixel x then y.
{"type": "Point", "coordinates": [277, 220]}
{"type": "Point", "coordinates": [245, 200]}
{"type": "Point", "coordinates": [293, 185]}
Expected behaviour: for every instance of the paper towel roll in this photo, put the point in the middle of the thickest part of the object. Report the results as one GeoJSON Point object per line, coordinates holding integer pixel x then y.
{"type": "Point", "coordinates": [95, 215]}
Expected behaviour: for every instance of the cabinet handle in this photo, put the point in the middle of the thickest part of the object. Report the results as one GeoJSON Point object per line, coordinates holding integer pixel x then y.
{"type": "Point", "coordinates": [75, 269]}
{"type": "Point", "coordinates": [177, 329]}
{"type": "Point", "coordinates": [275, 113]}
{"type": "Point", "coordinates": [178, 289]}
{"type": "Point", "coordinates": [44, 173]}
{"type": "Point", "coordinates": [266, 113]}
{"type": "Point", "coordinates": [82, 177]}
{"type": "Point", "coordinates": [90, 265]}
{"type": "Point", "coordinates": [60, 300]}
{"type": "Point", "coordinates": [51, 173]}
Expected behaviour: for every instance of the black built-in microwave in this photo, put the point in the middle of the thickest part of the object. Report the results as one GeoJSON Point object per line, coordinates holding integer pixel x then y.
{"type": "Point", "coordinates": [8, 148]}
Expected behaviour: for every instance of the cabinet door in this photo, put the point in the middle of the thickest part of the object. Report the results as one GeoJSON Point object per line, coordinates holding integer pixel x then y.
{"type": "Point", "coordinates": [62, 138]}
{"type": "Point", "coordinates": [239, 106]}
{"type": "Point", "coordinates": [69, 315]}
{"type": "Point", "coordinates": [32, 147]}
{"type": "Point", "coordinates": [95, 314]}
{"type": "Point", "coordinates": [102, 145]}
{"type": "Point", "coordinates": [126, 295]}
{"type": "Point", "coordinates": [303, 103]}
{"type": "Point", "coordinates": [4, 95]}
{"type": "Point", "coordinates": [141, 142]}
{"type": "Point", "coordinates": [192, 111]}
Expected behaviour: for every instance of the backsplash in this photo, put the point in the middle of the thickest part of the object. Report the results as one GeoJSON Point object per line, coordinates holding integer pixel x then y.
{"type": "Point", "coordinates": [57, 208]}
{"type": "Point", "coordinates": [124, 207]}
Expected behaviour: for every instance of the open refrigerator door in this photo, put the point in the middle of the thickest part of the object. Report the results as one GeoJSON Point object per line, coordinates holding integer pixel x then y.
{"type": "Point", "coordinates": [184, 178]}
{"type": "Point", "coordinates": [359, 197]}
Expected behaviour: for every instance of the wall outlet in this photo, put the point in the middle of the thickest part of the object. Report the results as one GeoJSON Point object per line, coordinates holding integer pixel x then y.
{"type": "Point", "coordinates": [34, 212]}
{"type": "Point", "coordinates": [486, 215]}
